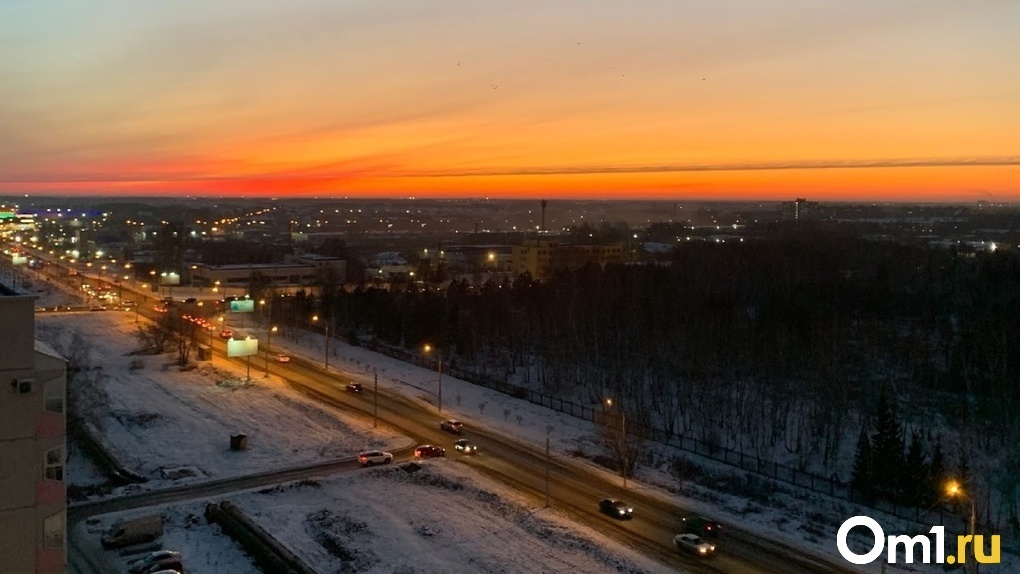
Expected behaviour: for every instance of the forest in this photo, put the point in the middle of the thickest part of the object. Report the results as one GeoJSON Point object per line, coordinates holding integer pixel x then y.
{"type": "Point", "coordinates": [789, 348]}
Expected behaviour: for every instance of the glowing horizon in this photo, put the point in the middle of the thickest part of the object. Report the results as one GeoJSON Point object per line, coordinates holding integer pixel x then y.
{"type": "Point", "coordinates": [899, 100]}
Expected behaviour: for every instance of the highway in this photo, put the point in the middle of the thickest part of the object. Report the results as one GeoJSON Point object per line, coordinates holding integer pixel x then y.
{"type": "Point", "coordinates": [574, 489]}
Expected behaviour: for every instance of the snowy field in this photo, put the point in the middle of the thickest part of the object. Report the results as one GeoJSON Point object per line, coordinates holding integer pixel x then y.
{"type": "Point", "coordinates": [804, 519]}
{"type": "Point", "coordinates": [165, 423]}
{"type": "Point", "coordinates": [440, 519]}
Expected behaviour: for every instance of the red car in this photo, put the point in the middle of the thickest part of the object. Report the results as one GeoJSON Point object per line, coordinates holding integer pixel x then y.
{"type": "Point", "coordinates": [429, 451]}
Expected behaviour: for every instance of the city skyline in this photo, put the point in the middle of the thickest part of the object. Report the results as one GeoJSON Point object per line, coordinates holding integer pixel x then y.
{"type": "Point", "coordinates": [878, 100]}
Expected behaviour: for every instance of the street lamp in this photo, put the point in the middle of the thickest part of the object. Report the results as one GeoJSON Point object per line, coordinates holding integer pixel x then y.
{"type": "Point", "coordinates": [548, 432]}
{"type": "Point", "coordinates": [315, 319]}
{"type": "Point", "coordinates": [954, 490]}
{"type": "Point", "coordinates": [623, 438]}
{"type": "Point", "coordinates": [428, 349]}
{"type": "Point", "coordinates": [269, 342]}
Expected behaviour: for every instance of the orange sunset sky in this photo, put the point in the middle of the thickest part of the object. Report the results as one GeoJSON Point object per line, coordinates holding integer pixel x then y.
{"type": "Point", "coordinates": [730, 99]}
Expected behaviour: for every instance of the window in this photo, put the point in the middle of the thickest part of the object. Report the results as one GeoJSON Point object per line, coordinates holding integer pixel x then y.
{"type": "Point", "coordinates": [54, 464]}
{"type": "Point", "coordinates": [54, 397]}
{"type": "Point", "coordinates": [53, 531]}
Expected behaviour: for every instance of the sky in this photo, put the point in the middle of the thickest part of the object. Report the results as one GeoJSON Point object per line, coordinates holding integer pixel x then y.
{"type": "Point", "coordinates": [897, 100]}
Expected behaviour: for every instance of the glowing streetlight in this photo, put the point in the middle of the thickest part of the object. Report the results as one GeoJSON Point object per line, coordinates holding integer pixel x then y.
{"type": "Point", "coordinates": [269, 342]}
{"type": "Point", "coordinates": [955, 490]}
{"type": "Point", "coordinates": [439, 369]}
{"type": "Point", "coordinates": [623, 438]}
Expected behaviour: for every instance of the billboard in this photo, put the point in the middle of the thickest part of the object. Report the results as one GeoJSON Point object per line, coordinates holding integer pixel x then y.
{"type": "Point", "coordinates": [243, 348]}
{"type": "Point", "coordinates": [170, 278]}
{"type": "Point", "coordinates": [19, 260]}
{"type": "Point", "coordinates": [242, 306]}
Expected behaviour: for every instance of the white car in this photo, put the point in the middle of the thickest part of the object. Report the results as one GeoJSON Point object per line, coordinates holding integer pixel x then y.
{"type": "Point", "coordinates": [151, 558]}
{"type": "Point", "coordinates": [282, 359]}
{"type": "Point", "coordinates": [694, 544]}
{"type": "Point", "coordinates": [370, 457]}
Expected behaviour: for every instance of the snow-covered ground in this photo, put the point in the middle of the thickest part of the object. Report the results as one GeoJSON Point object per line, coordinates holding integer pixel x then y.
{"type": "Point", "coordinates": [440, 518]}
{"type": "Point", "coordinates": [805, 519]}
{"type": "Point", "coordinates": [162, 420]}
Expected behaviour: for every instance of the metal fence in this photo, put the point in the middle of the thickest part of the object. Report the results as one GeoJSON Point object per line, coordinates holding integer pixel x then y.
{"type": "Point", "coordinates": [753, 464]}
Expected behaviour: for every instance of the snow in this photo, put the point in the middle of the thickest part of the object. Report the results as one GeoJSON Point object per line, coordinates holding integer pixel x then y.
{"type": "Point", "coordinates": [191, 406]}
{"type": "Point", "coordinates": [162, 419]}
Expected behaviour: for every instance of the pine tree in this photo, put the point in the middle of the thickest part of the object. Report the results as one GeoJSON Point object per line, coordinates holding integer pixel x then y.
{"type": "Point", "coordinates": [936, 474]}
{"type": "Point", "coordinates": [886, 447]}
{"type": "Point", "coordinates": [863, 479]}
{"type": "Point", "coordinates": [914, 479]}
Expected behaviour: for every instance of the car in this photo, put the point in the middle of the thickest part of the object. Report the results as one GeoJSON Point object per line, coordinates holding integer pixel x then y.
{"type": "Point", "coordinates": [429, 451]}
{"type": "Point", "coordinates": [694, 544]}
{"type": "Point", "coordinates": [616, 508]}
{"type": "Point", "coordinates": [702, 526]}
{"type": "Point", "coordinates": [226, 334]}
{"type": "Point", "coordinates": [97, 308]}
{"type": "Point", "coordinates": [464, 446]}
{"type": "Point", "coordinates": [354, 387]}
{"type": "Point", "coordinates": [167, 572]}
{"type": "Point", "coordinates": [165, 565]}
{"type": "Point", "coordinates": [282, 359]}
{"type": "Point", "coordinates": [453, 426]}
{"type": "Point", "coordinates": [370, 457]}
{"type": "Point", "coordinates": [157, 557]}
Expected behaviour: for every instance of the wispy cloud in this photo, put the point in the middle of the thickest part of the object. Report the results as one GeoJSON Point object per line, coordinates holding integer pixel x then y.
{"type": "Point", "coordinates": [753, 166]}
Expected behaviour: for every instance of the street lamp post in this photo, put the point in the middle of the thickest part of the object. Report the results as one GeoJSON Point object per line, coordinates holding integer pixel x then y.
{"type": "Point", "coordinates": [623, 439]}
{"type": "Point", "coordinates": [269, 342]}
{"type": "Point", "coordinates": [955, 490]}
{"type": "Point", "coordinates": [548, 432]}
{"type": "Point", "coordinates": [315, 319]}
{"type": "Point", "coordinates": [439, 370]}
{"type": "Point", "coordinates": [375, 402]}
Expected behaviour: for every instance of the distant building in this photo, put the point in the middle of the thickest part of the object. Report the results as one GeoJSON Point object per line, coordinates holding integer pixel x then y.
{"type": "Point", "coordinates": [799, 209]}
{"type": "Point", "coordinates": [303, 272]}
{"type": "Point", "coordinates": [541, 257]}
{"type": "Point", "coordinates": [33, 446]}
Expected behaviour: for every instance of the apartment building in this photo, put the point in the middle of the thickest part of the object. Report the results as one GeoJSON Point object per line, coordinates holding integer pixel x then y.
{"type": "Point", "coordinates": [33, 449]}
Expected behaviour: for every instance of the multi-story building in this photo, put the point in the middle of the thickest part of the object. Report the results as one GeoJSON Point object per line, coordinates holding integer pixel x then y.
{"type": "Point", "coordinates": [541, 257]}
{"type": "Point", "coordinates": [33, 449]}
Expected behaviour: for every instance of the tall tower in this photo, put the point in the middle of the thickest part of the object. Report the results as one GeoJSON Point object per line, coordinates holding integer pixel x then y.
{"type": "Point", "coordinates": [542, 229]}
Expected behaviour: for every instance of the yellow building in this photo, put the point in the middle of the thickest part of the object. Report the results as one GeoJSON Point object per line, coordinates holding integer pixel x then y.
{"type": "Point", "coordinates": [542, 257]}
{"type": "Point", "coordinates": [33, 449]}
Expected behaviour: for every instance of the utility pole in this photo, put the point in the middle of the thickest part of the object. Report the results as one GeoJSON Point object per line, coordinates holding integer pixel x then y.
{"type": "Point", "coordinates": [375, 405]}
{"type": "Point", "coordinates": [623, 436]}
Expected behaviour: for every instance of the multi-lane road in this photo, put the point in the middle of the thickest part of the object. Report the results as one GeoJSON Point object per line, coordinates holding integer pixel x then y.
{"type": "Point", "coordinates": [573, 488]}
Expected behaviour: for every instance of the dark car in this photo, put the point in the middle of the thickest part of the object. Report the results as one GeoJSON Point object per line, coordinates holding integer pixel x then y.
{"type": "Point", "coordinates": [354, 387]}
{"type": "Point", "coordinates": [702, 526]}
{"type": "Point", "coordinates": [429, 451]}
{"type": "Point", "coordinates": [159, 557]}
{"type": "Point", "coordinates": [453, 426]}
{"type": "Point", "coordinates": [465, 446]}
{"type": "Point", "coordinates": [616, 508]}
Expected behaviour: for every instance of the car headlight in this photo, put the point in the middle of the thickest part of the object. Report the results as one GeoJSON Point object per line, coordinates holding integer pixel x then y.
{"type": "Point", "coordinates": [702, 550]}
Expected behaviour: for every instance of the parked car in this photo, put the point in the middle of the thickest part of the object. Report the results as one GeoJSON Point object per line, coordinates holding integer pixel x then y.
{"type": "Point", "coordinates": [370, 457]}
{"type": "Point", "coordinates": [145, 562]}
{"type": "Point", "coordinates": [282, 359]}
{"type": "Point", "coordinates": [97, 308]}
{"type": "Point", "coordinates": [166, 565]}
{"type": "Point", "coordinates": [702, 526]}
{"type": "Point", "coordinates": [464, 446]}
{"type": "Point", "coordinates": [694, 544]}
{"type": "Point", "coordinates": [453, 426]}
{"type": "Point", "coordinates": [616, 508]}
{"type": "Point", "coordinates": [354, 387]}
{"type": "Point", "coordinates": [429, 451]}
{"type": "Point", "coordinates": [168, 572]}
{"type": "Point", "coordinates": [126, 533]}
{"type": "Point", "coordinates": [226, 334]}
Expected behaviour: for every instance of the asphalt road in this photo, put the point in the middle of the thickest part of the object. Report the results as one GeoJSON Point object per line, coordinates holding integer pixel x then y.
{"type": "Point", "coordinates": [573, 489]}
